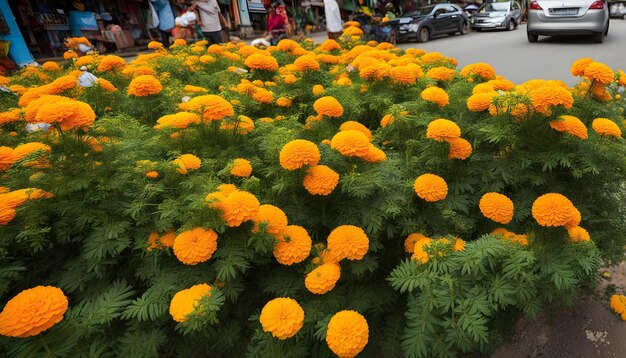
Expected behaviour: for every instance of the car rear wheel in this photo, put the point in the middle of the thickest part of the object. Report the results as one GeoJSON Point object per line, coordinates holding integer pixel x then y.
{"type": "Point", "coordinates": [464, 28]}
{"type": "Point", "coordinates": [532, 37]}
{"type": "Point", "coordinates": [511, 25]}
{"type": "Point", "coordinates": [423, 35]}
{"type": "Point", "coordinates": [599, 37]}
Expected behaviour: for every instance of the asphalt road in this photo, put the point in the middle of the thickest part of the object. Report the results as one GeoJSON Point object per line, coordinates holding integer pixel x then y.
{"type": "Point", "coordinates": [513, 57]}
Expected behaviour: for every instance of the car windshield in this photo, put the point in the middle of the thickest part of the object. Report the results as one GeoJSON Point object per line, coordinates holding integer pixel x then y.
{"type": "Point", "coordinates": [494, 7]}
{"type": "Point", "coordinates": [422, 11]}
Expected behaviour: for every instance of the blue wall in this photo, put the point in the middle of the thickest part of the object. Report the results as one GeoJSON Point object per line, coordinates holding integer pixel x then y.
{"type": "Point", "coordinates": [18, 52]}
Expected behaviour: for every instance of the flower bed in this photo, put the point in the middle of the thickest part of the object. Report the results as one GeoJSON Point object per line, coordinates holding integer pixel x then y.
{"type": "Point", "coordinates": [299, 200]}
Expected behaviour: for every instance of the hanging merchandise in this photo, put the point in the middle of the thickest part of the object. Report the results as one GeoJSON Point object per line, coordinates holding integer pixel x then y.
{"type": "Point", "coordinates": [153, 15]}
{"type": "Point", "coordinates": [86, 79]}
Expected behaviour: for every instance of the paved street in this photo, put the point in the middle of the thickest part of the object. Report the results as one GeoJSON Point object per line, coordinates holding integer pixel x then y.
{"type": "Point", "coordinates": [515, 58]}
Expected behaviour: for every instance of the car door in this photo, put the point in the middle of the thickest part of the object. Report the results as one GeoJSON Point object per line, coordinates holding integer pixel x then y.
{"type": "Point", "coordinates": [516, 12]}
{"type": "Point", "coordinates": [453, 16]}
{"type": "Point", "coordinates": [438, 19]}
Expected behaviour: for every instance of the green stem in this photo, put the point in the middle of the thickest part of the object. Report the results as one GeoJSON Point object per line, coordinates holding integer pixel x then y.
{"type": "Point", "coordinates": [45, 346]}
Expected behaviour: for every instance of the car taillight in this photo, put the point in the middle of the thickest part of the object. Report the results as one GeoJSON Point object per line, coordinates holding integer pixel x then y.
{"type": "Point", "coordinates": [597, 5]}
{"type": "Point", "coordinates": [534, 6]}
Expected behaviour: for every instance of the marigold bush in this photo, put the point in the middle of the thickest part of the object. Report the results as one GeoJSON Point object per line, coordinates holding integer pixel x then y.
{"type": "Point", "coordinates": [188, 189]}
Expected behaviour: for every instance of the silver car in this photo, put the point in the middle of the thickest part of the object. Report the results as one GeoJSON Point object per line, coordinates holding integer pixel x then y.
{"type": "Point", "coordinates": [618, 10]}
{"type": "Point", "coordinates": [501, 14]}
{"type": "Point", "coordinates": [568, 17]}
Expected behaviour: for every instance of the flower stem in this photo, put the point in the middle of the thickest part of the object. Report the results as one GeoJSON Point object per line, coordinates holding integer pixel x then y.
{"type": "Point", "coordinates": [45, 346]}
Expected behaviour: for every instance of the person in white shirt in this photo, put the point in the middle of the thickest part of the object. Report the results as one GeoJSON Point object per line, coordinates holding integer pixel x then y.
{"type": "Point", "coordinates": [211, 20]}
{"type": "Point", "coordinates": [333, 19]}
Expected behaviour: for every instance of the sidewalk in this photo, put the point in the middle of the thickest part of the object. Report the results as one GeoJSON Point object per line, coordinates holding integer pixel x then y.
{"type": "Point", "coordinates": [317, 37]}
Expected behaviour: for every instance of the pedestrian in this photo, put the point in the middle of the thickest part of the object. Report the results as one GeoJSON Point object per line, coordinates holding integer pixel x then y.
{"type": "Point", "coordinates": [211, 20]}
{"type": "Point", "coordinates": [333, 19]}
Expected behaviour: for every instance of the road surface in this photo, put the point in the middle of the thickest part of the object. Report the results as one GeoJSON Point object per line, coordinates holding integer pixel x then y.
{"type": "Point", "coordinates": [513, 57]}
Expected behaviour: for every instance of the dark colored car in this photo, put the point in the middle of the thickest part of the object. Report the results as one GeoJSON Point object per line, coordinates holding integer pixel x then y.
{"type": "Point", "coordinates": [424, 22]}
{"type": "Point", "coordinates": [500, 14]}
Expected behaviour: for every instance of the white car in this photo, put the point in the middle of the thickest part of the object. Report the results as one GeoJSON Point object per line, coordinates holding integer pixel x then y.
{"type": "Point", "coordinates": [568, 17]}
{"type": "Point", "coordinates": [618, 10]}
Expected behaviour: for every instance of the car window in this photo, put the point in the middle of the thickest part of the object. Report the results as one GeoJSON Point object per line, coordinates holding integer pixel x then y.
{"type": "Point", "coordinates": [422, 11]}
{"type": "Point", "coordinates": [450, 8]}
{"type": "Point", "coordinates": [515, 6]}
{"type": "Point", "coordinates": [494, 7]}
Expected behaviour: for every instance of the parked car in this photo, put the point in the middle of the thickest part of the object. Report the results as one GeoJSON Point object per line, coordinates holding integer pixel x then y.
{"type": "Point", "coordinates": [618, 10]}
{"type": "Point", "coordinates": [568, 17]}
{"type": "Point", "coordinates": [424, 22]}
{"type": "Point", "coordinates": [502, 14]}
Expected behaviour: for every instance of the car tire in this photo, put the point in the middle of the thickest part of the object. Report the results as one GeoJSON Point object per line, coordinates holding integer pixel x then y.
{"type": "Point", "coordinates": [511, 25]}
{"type": "Point", "coordinates": [532, 37]}
{"type": "Point", "coordinates": [464, 28]}
{"type": "Point", "coordinates": [598, 37]}
{"type": "Point", "coordinates": [423, 34]}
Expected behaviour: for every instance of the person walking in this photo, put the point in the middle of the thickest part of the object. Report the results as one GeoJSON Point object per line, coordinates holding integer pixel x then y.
{"type": "Point", "coordinates": [333, 19]}
{"type": "Point", "coordinates": [211, 20]}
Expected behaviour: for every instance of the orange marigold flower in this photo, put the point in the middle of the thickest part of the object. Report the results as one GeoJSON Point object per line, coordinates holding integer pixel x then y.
{"type": "Point", "coordinates": [441, 74]}
{"type": "Point", "coordinates": [431, 57]}
{"type": "Point", "coordinates": [178, 120]}
{"type": "Point", "coordinates": [262, 95]}
{"type": "Point", "coordinates": [307, 63]}
{"type": "Point", "coordinates": [419, 250]}
{"type": "Point", "coordinates": [545, 97]}
{"type": "Point", "coordinates": [293, 245]}
{"type": "Point", "coordinates": [13, 199]}
{"type": "Point", "coordinates": [6, 215]}
{"type": "Point", "coordinates": [106, 85]}
{"type": "Point", "coordinates": [241, 168]}
{"type": "Point", "coordinates": [411, 240]}
{"type": "Point", "coordinates": [501, 84]}
{"type": "Point", "coordinates": [283, 317]}
{"type": "Point", "coordinates": [431, 187]}
{"type": "Point", "coordinates": [553, 209]}
{"type": "Point", "coordinates": [375, 72]}
{"type": "Point", "coordinates": [33, 311]}
{"type": "Point", "coordinates": [570, 125]}
{"type": "Point", "coordinates": [24, 150]}
{"type": "Point", "coordinates": [144, 85]}
{"type": "Point", "coordinates": [435, 95]}
{"type": "Point", "coordinates": [481, 101]}
{"type": "Point", "coordinates": [70, 54]}
{"type": "Point", "coordinates": [351, 143]}
{"type": "Point", "coordinates": [320, 180]}
{"type": "Point", "coordinates": [352, 31]}
{"type": "Point", "coordinates": [261, 62]}
{"type": "Point", "coordinates": [387, 120]}
{"type": "Point", "coordinates": [185, 302]}
{"type": "Point", "coordinates": [575, 220]}
{"type": "Point", "coordinates": [271, 218]}
{"type": "Point", "coordinates": [195, 246]}
{"type": "Point", "coordinates": [84, 61]}
{"type": "Point", "coordinates": [459, 148]}
{"type": "Point", "coordinates": [622, 78]}
{"type": "Point", "coordinates": [618, 304]}
{"type": "Point", "coordinates": [155, 45]}
{"type": "Point", "coordinates": [51, 66]}
{"type": "Point", "coordinates": [179, 42]}
{"type": "Point", "coordinates": [403, 74]}
{"type": "Point", "coordinates": [353, 125]}
{"type": "Point", "coordinates": [187, 162]}
{"type": "Point", "coordinates": [347, 334]}
{"type": "Point", "coordinates": [481, 69]}
{"type": "Point", "coordinates": [152, 174]}
{"type": "Point", "coordinates": [11, 116]}
{"type": "Point", "coordinates": [290, 79]}
{"type": "Point", "coordinates": [606, 127]}
{"type": "Point", "coordinates": [328, 106]}
{"type": "Point", "coordinates": [578, 234]}
{"type": "Point", "coordinates": [317, 90]}
{"type": "Point", "coordinates": [238, 207]}
{"type": "Point", "coordinates": [442, 129]}
{"type": "Point", "coordinates": [323, 278]}
{"type": "Point", "coordinates": [242, 124]}
{"type": "Point", "coordinates": [348, 242]}
{"type": "Point", "coordinates": [599, 72]}
{"type": "Point", "coordinates": [497, 207]}
{"type": "Point", "coordinates": [194, 89]}
{"type": "Point", "coordinates": [283, 102]}
{"type": "Point", "coordinates": [579, 66]}
{"type": "Point", "coordinates": [68, 114]}
{"type": "Point", "coordinates": [374, 155]}
{"type": "Point", "coordinates": [298, 153]}
{"type": "Point", "coordinates": [344, 81]}
{"type": "Point", "coordinates": [330, 45]}
{"type": "Point", "coordinates": [212, 107]}
{"type": "Point", "coordinates": [111, 62]}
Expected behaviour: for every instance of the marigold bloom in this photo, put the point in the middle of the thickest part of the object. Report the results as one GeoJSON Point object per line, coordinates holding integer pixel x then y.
{"type": "Point", "coordinates": [497, 207]}
{"type": "Point", "coordinates": [298, 153]}
{"type": "Point", "coordinates": [501, 84]}
{"type": "Point", "coordinates": [33, 311]}
{"type": "Point", "coordinates": [283, 102]}
{"type": "Point", "coordinates": [6, 214]}
{"type": "Point", "coordinates": [546, 97]}
{"type": "Point", "coordinates": [283, 317]}
{"type": "Point", "coordinates": [419, 250]}
{"type": "Point", "coordinates": [441, 74]}
{"type": "Point", "coordinates": [177, 120]}
{"type": "Point", "coordinates": [13, 199]}
{"type": "Point", "coordinates": [442, 129]}
{"type": "Point", "coordinates": [481, 69]}
{"type": "Point", "coordinates": [111, 62]}
{"type": "Point", "coordinates": [606, 127]}
{"type": "Point", "coordinates": [194, 89]}
{"type": "Point", "coordinates": [187, 162]}
{"type": "Point", "coordinates": [351, 143]}
{"type": "Point", "coordinates": [459, 148]}
{"type": "Point", "coordinates": [481, 101]}
{"type": "Point", "coordinates": [329, 45]}
{"type": "Point", "coordinates": [599, 72]}
{"type": "Point", "coordinates": [293, 245]}
{"type": "Point", "coordinates": [195, 246]}
{"type": "Point", "coordinates": [431, 56]}
{"type": "Point", "coordinates": [347, 334]}
{"type": "Point", "coordinates": [431, 187]}
{"type": "Point", "coordinates": [106, 85]}
{"type": "Point", "coordinates": [353, 125]}
{"type": "Point", "coordinates": [375, 72]}
{"type": "Point", "coordinates": [374, 155]}
{"type": "Point", "coordinates": [272, 218]}
{"type": "Point", "coordinates": [553, 209]}
{"type": "Point", "coordinates": [262, 95]}
{"type": "Point", "coordinates": [10, 116]}
{"type": "Point", "coordinates": [618, 304]}
{"type": "Point", "coordinates": [578, 234]}
{"type": "Point", "coordinates": [435, 95]}
{"type": "Point", "coordinates": [575, 220]}
{"type": "Point", "coordinates": [411, 240]}
{"type": "Point", "coordinates": [320, 180]}
{"type": "Point", "coordinates": [144, 85]}
{"type": "Point", "coordinates": [307, 63]}
{"type": "Point", "coordinates": [26, 149]}
{"type": "Point", "coordinates": [323, 278]}
{"type": "Point", "coordinates": [212, 107]}
{"type": "Point", "coordinates": [579, 66]}
{"type": "Point", "coordinates": [402, 74]}
{"type": "Point", "coordinates": [317, 90]}
{"type": "Point", "coordinates": [69, 54]}
{"type": "Point", "coordinates": [238, 207]}
{"type": "Point", "coordinates": [186, 301]}
{"type": "Point", "coordinates": [344, 81]}
{"type": "Point", "coordinates": [155, 45]}
{"type": "Point", "coordinates": [290, 79]}
{"type": "Point", "coordinates": [242, 124]}
{"type": "Point", "coordinates": [328, 106]}
{"type": "Point", "coordinates": [347, 242]}
{"type": "Point", "coordinates": [570, 125]}
{"type": "Point", "coordinates": [241, 168]}
{"type": "Point", "coordinates": [352, 31]}
{"type": "Point", "coordinates": [51, 66]}
{"type": "Point", "coordinates": [67, 113]}
{"type": "Point", "coordinates": [387, 120]}
{"type": "Point", "coordinates": [261, 62]}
